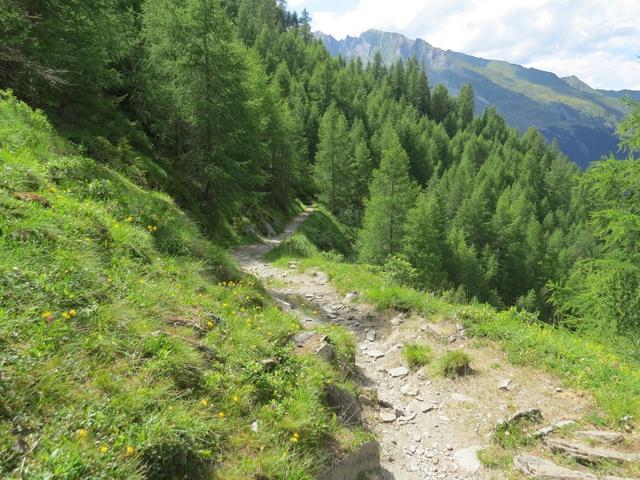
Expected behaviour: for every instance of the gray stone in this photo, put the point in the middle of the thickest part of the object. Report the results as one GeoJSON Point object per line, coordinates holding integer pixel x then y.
{"type": "Point", "coordinates": [388, 416]}
{"type": "Point", "coordinates": [543, 432]}
{"type": "Point", "coordinates": [533, 414]}
{"type": "Point", "coordinates": [409, 391]}
{"type": "Point", "coordinates": [505, 385]}
{"type": "Point", "coordinates": [539, 468]}
{"type": "Point", "coordinates": [398, 372]}
{"type": "Point", "coordinates": [601, 436]}
{"type": "Point", "coordinates": [325, 351]}
{"type": "Point", "coordinates": [371, 335]}
{"type": "Point", "coordinates": [375, 354]}
{"type": "Point", "coordinates": [589, 454]}
{"type": "Point", "coordinates": [344, 404]}
{"type": "Point", "coordinates": [365, 459]}
{"type": "Point", "coordinates": [467, 459]}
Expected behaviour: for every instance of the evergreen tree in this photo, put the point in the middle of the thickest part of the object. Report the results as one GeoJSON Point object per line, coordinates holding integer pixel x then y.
{"type": "Point", "coordinates": [392, 192]}
{"type": "Point", "coordinates": [333, 169]}
{"type": "Point", "coordinates": [466, 106]}
{"type": "Point", "coordinates": [424, 242]}
{"type": "Point", "coordinates": [212, 82]}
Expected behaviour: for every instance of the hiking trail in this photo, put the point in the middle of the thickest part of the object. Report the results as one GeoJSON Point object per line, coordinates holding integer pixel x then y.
{"type": "Point", "coordinates": [428, 427]}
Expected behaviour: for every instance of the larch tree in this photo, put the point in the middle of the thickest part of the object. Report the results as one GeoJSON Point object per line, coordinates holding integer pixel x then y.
{"type": "Point", "coordinates": [333, 168]}
{"type": "Point", "coordinates": [392, 192]}
{"type": "Point", "coordinates": [424, 242]}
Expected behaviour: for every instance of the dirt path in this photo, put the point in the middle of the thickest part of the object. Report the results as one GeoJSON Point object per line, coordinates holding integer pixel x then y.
{"type": "Point", "coordinates": [428, 427]}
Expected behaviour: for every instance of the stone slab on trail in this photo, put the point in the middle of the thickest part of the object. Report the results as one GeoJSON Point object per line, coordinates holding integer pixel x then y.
{"type": "Point", "coordinates": [601, 436]}
{"type": "Point", "coordinates": [467, 459]}
{"type": "Point", "coordinates": [541, 469]}
{"type": "Point", "coordinates": [589, 454]}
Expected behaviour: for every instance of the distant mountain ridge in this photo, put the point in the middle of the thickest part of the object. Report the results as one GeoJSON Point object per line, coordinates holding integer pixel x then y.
{"type": "Point", "coordinates": [582, 119]}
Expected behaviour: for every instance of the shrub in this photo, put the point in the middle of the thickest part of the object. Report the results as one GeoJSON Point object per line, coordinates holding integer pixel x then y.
{"type": "Point", "coordinates": [456, 363]}
{"type": "Point", "coordinates": [399, 270]}
{"type": "Point", "coordinates": [417, 355]}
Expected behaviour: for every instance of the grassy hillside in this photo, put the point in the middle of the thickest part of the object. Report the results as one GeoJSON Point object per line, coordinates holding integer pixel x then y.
{"type": "Point", "coordinates": [131, 346]}
{"type": "Point", "coordinates": [603, 369]}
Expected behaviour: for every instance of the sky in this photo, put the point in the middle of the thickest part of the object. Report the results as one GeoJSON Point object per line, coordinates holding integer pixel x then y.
{"type": "Point", "coordinates": [596, 40]}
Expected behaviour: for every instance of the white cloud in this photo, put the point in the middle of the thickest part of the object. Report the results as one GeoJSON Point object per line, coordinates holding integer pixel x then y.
{"type": "Point", "coordinates": [596, 40]}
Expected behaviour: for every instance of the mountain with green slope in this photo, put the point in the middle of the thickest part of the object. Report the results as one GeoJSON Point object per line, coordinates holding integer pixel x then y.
{"type": "Point", "coordinates": [581, 119]}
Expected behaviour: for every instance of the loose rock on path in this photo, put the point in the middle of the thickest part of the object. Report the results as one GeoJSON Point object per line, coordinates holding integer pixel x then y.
{"type": "Point", "coordinates": [428, 427]}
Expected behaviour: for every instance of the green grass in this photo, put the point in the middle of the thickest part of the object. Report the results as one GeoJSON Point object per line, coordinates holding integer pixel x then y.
{"type": "Point", "coordinates": [516, 435]}
{"type": "Point", "coordinates": [344, 345]}
{"type": "Point", "coordinates": [320, 232]}
{"type": "Point", "coordinates": [495, 458]}
{"type": "Point", "coordinates": [611, 377]}
{"type": "Point", "coordinates": [130, 346]}
{"type": "Point", "coordinates": [455, 363]}
{"type": "Point", "coordinates": [417, 355]}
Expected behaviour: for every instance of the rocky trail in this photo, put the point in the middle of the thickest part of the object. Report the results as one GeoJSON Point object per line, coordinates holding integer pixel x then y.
{"type": "Point", "coordinates": [429, 427]}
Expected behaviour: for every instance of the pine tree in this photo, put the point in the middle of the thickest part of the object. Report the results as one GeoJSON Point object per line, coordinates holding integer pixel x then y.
{"type": "Point", "coordinates": [392, 192]}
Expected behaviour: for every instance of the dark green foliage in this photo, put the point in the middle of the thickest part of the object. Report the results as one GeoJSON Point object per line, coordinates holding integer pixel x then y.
{"type": "Point", "coordinates": [425, 241]}
{"type": "Point", "coordinates": [334, 172]}
{"type": "Point", "coordinates": [601, 295]}
{"type": "Point", "coordinates": [392, 193]}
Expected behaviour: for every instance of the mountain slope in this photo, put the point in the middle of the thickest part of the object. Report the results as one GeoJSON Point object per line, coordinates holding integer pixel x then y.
{"type": "Point", "coordinates": [580, 118]}
{"type": "Point", "coordinates": [131, 346]}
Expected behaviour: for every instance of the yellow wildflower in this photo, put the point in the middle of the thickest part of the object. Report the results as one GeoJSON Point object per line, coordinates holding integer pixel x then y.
{"type": "Point", "coordinates": [82, 433]}
{"type": "Point", "coordinates": [295, 437]}
{"type": "Point", "coordinates": [235, 398]}
{"type": "Point", "coordinates": [65, 315]}
{"type": "Point", "coordinates": [130, 450]}
{"type": "Point", "coordinates": [221, 415]}
{"type": "Point", "coordinates": [210, 324]}
{"type": "Point", "coordinates": [104, 449]}
{"type": "Point", "coordinates": [47, 315]}
{"type": "Point", "coordinates": [73, 312]}
{"type": "Point", "coordinates": [129, 219]}
{"type": "Point", "coordinates": [204, 402]}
